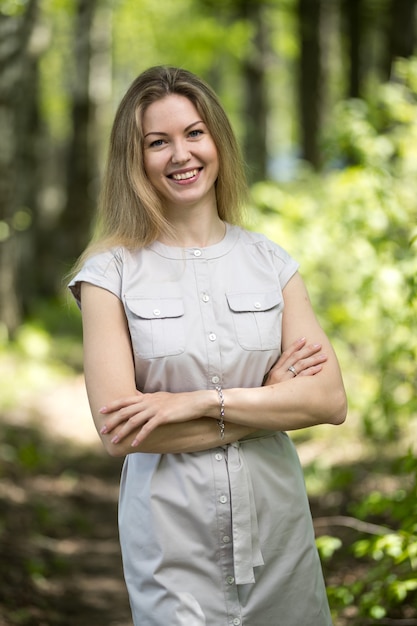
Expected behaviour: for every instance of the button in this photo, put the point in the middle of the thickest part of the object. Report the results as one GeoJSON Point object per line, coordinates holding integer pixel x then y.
{"type": "Point", "coordinates": [257, 305]}
{"type": "Point", "coordinates": [156, 312]}
{"type": "Point", "coordinates": [205, 297]}
{"type": "Point", "coordinates": [226, 539]}
{"type": "Point", "coordinates": [197, 252]}
{"type": "Point", "coordinates": [215, 380]}
{"type": "Point", "coordinates": [218, 456]}
{"type": "Point", "coordinates": [212, 337]}
{"type": "Point", "coordinates": [223, 499]}
{"type": "Point", "coordinates": [230, 580]}
{"type": "Point", "coordinates": [236, 621]}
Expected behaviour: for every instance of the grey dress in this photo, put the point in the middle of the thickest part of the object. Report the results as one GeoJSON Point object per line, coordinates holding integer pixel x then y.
{"type": "Point", "coordinates": [222, 537]}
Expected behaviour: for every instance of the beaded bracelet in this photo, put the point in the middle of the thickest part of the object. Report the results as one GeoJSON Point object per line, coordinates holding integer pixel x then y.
{"type": "Point", "coordinates": [221, 420]}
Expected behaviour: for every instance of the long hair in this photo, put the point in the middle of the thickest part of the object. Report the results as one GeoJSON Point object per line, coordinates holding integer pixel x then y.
{"type": "Point", "coordinates": [130, 212]}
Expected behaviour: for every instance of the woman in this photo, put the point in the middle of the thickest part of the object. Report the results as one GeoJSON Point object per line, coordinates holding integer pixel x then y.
{"type": "Point", "coordinates": [201, 350]}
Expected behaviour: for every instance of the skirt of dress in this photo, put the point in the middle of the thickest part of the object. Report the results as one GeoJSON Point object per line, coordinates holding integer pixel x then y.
{"type": "Point", "coordinates": [222, 537]}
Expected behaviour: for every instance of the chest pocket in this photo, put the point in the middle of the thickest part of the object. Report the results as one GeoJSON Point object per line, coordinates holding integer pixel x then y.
{"type": "Point", "coordinates": [257, 319]}
{"type": "Point", "coordinates": [156, 324]}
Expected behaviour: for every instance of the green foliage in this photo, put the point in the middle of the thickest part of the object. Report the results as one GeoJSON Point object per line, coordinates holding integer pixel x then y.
{"type": "Point", "coordinates": [327, 546]}
{"type": "Point", "coordinates": [56, 68]}
{"type": "Point", "coordinates": [11, 8]}
{"type": "Point", "coordinates": [47, 348]}
{"type": "Point", "coordinates": [390, 576]}
{"type": "Point", "coordinates": [144, 34]}
{"type": "Point", "coordinates": [354, 232]}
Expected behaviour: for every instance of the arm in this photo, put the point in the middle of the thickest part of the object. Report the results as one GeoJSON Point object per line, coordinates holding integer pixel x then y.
{"type": "Point", "coordinates": [109, 375]}
{"type": "Point", "coordinates": [284, 403]}
{"type": "Point", "coordinates": [301, 401]}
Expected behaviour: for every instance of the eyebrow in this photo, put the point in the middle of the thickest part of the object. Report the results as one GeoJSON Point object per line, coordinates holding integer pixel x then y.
{"type": "Point", "coordinates": [154, 132]}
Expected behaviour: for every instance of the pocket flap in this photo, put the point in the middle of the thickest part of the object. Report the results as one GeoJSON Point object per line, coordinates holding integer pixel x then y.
{"type": "Point", "coordinates": [260, 301]}
{"type": "Point", "coordinates": [155, 308]}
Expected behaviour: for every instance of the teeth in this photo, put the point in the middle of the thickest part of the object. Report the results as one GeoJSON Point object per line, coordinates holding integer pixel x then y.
{"type": "Point", "coordinates": [185, 175]}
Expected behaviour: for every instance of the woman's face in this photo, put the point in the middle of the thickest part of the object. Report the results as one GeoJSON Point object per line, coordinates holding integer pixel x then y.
{"type": "Point", "coordinates": [180, 156]}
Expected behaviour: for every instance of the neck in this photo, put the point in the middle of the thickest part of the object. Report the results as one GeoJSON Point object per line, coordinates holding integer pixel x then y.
{"type": "Point", "coordinates": [198, 232]}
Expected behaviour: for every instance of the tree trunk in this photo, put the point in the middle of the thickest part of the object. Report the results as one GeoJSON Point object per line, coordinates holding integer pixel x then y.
{"type": "Point", "coordinates": [17, 75]}
{"type": "Point", "coordinates": [352, 19]}
{"type": "Point", "coordinates": [310, 79]}
{"type": "Point", "coordinates": [256, 100]}
{"type": "Point", "coordinates": [402, 31]}
{"type": "Point", "coordinates": [75, 222]}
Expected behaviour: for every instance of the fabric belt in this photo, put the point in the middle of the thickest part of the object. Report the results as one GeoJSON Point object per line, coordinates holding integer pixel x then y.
{"type": "Point", "coordinates": [246, 546]}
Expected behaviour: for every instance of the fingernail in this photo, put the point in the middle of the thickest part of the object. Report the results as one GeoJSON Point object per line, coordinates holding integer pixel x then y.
{"type": "Point", "coordinates": [301, 339]}
{"type": "Point", "coordinates": [134, 443]}
{"type": "Point", "coordinates": [115, 439]}
{"type": "Point", "coordinates": [103, 430]}
{"type": "Point", "coordinates": [103, 409]}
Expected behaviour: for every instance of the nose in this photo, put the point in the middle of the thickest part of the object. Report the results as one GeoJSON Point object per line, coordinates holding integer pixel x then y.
{"type": "Point", "coordinates": [180, 152]}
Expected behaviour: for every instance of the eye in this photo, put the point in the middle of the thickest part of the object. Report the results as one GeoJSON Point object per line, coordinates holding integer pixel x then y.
{"type": "Point", "coordinates": [157, 143]}
{"type": "Point", "coordinates": [195, 133]}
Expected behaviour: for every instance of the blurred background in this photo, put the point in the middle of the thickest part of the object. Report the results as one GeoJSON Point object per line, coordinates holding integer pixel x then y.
{"type": "Point", "coordinates": [322, 95]}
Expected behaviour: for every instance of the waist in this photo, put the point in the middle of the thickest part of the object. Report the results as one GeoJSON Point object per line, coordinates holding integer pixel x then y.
{"type": "Point", "coordinates": [259, 434]}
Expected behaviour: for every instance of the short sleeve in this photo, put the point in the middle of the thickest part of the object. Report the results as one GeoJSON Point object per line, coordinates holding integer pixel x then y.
{"type": "Point", "coordinates": [286, 265]}
{"type": "Point", "coordinates": [103, 270]}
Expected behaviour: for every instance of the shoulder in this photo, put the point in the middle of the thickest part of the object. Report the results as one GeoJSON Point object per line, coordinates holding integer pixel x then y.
{"type": "Point", "coordinates": [261, 241]}
{"type": "Point", "coordinates": [260, 245]}
{"type": "Point", "coordinates": [102, 269]}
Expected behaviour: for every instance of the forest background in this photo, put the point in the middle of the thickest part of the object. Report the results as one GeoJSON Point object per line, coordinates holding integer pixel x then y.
{"type": "Point", "coordinates": [323, 98]}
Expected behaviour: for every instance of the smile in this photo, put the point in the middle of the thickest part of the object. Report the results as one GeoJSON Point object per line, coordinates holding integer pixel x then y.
{"type": "Point", "coordinates": [185, 175]}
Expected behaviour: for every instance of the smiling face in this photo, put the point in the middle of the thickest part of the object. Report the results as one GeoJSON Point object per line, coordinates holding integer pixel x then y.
{"type": "Point", "coordinates": [180, 156]}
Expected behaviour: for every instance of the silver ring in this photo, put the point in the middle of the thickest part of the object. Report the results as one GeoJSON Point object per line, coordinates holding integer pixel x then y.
{"type": "Point", "coordinates": [292, 370]}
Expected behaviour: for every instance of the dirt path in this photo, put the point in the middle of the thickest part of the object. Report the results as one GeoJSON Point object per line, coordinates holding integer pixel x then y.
{"type": "Point", "coordinates": [60, 558]}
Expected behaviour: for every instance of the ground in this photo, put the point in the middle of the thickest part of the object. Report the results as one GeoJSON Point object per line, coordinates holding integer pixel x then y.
{"type": "Point", "coordinates": [60, 559]}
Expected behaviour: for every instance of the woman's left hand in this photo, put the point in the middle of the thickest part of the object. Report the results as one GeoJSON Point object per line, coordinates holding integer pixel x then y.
{"type": "Point", "coordinates": [307, 360]}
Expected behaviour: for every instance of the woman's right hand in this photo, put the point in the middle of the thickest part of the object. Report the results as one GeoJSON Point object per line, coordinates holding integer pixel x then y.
{"type": "Point", "coordinates": [307, 360]}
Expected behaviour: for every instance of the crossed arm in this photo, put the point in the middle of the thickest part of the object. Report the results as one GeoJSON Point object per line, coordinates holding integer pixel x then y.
{"type": "Point", "coordinates": [129, 421]}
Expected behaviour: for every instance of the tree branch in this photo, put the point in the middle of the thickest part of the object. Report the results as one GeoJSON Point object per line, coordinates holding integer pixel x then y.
{"type": "Point", "coordinates": [352, 522]}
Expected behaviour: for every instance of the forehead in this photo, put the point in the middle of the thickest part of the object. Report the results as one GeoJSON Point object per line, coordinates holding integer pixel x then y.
{"type": "Point", "coordinates": [170, 111]}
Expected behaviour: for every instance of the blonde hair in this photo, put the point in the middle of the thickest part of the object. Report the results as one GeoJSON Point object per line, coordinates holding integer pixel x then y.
{"type": "Point", "coordinates": [130, 212]}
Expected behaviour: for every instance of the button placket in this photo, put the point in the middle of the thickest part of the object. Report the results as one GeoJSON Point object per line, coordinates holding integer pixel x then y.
{"type": "Point", "coordinates": [201, 270]}
{"type": "Point", "coordinates": [220, 472]}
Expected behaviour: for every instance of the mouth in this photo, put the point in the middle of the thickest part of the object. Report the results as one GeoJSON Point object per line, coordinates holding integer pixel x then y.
{"type": "Point", "coordinates": [185, 176]}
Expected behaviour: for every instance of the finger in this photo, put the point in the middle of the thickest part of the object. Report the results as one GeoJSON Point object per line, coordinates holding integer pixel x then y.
{"type": "Point", "coordinates": [289, 355]}
{"type": "Point", "coordinates": [292, 349]}
{"type": "Point", "coordinates": [311, 371]}
{"type": "Point", "coordinates": [306, 352]}
{"type": "Point", "coordinates": [147, 428]}
{"type": "Point", "coordinates": [120, 403]}
{"type": "Point", "coordinates": [131, 425]}
{"type": "Point", "coordinates": [312, 360]}
{"type": "Point", "coordinates": [119, 417]}
{"type": "Point", "coordinates": [308, 367]}
{"type": "Point", "coordinates": [296, 353]}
